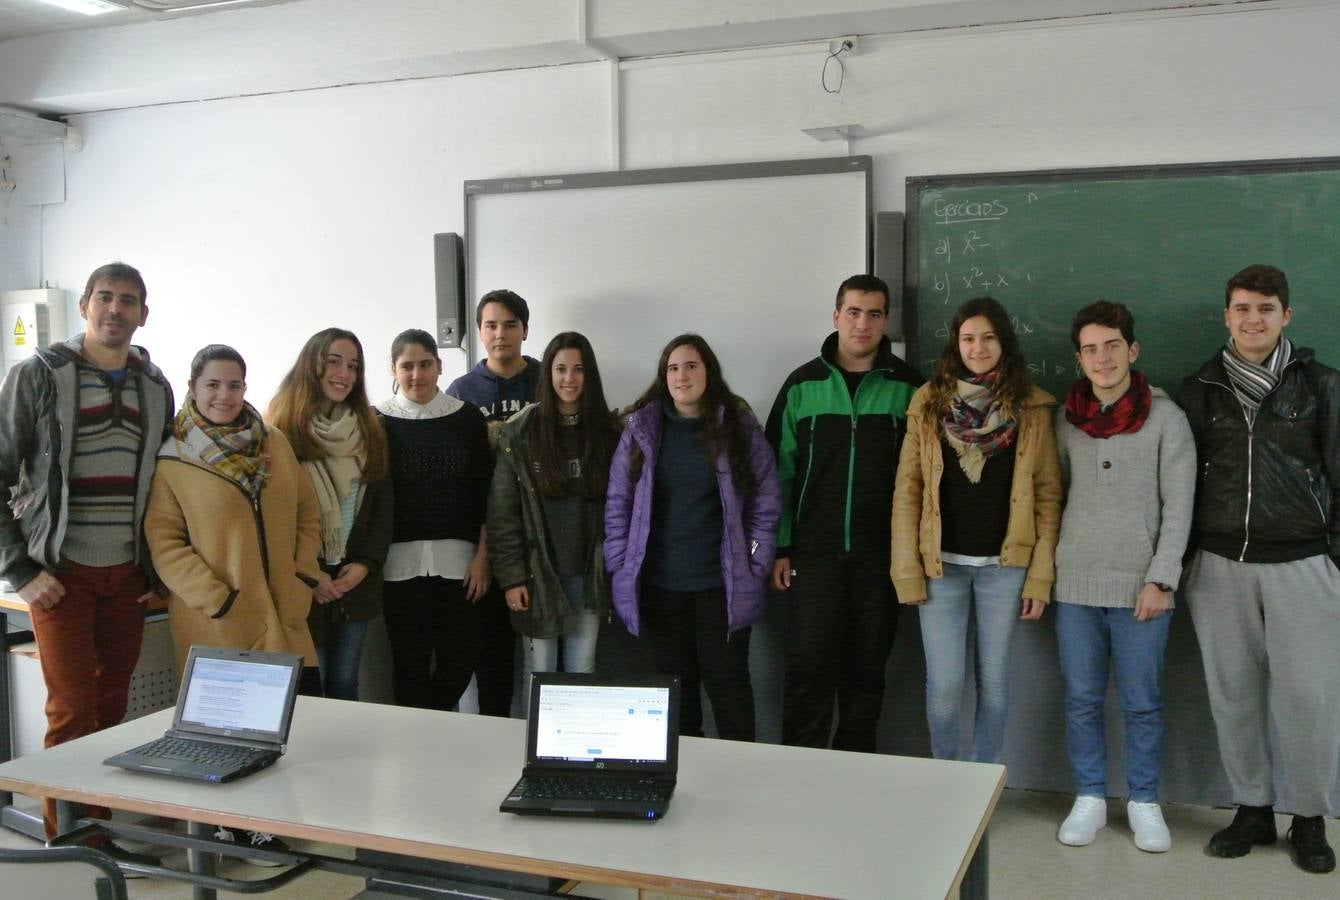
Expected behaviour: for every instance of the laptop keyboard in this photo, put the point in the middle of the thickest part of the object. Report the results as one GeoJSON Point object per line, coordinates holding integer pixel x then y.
{"type": "Point", "coordinates": [203, 752]}
{"type": "Point", "coordinates": [568, 787]}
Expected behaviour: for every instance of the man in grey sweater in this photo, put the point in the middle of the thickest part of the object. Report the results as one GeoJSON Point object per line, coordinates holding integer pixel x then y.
{"type": "Point", "coordinates": [1129, 461]}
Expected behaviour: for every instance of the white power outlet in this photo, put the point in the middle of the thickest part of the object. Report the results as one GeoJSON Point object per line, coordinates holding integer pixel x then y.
{"type": "Point", "coordinates": [851, 44]}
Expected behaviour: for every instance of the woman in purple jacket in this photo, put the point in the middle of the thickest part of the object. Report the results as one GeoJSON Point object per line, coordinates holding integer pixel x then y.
{"type": "Point", "coordinates": [690, 532]}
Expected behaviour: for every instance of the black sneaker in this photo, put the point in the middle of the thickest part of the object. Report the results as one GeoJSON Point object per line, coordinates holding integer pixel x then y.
{"type": "Point", "coordinates": [262, 840]}
{"type": "Point", "coordinates": [124, 857]}
{"type": "Point", "coordinates": [1252, 826]}
{"type": "Point", "coordinates": [1307, 837]}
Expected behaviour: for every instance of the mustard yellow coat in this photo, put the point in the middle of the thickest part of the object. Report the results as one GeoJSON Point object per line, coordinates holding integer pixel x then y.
{"type": "Point", "coordinates": [206, 542]}
{"type": "Point", "coordinates": [1035, 502]}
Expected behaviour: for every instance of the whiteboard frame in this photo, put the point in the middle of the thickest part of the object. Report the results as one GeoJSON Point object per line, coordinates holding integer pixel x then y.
{"type": "Point", "coordinates": [828, 165]}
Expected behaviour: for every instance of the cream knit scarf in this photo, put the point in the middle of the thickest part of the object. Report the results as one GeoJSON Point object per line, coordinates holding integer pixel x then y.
{"type": "Point", "coordinates": [337, 434]}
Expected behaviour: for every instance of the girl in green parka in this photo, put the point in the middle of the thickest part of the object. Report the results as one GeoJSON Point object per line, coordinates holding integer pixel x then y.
{"type": "Point", "coordinates": [546, 511]}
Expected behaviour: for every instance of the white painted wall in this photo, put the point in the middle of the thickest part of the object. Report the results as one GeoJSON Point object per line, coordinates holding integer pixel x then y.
{"type": "Point", "coordinates": [259, 220]}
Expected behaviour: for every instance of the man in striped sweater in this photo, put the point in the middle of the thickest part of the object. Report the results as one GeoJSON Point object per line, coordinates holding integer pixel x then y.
{"type": "Point", "coordinates": [80, 426]}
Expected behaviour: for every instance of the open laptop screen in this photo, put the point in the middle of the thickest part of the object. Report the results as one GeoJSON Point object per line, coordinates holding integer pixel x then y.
{"type": "Point", "coordinates": [618, 724]}
{"type": "Point", "coordinates": [243, 694]}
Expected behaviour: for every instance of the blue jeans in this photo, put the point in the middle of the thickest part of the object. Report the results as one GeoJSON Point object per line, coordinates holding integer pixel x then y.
{"type": "Point", "coordinates": [579, 645]}
{"type": "Point", "coordinates": [340, 660]}
{"type": "Point", "coordinates": [1088, 637]}
{"type": "Point", "coordinates": [992, 593]}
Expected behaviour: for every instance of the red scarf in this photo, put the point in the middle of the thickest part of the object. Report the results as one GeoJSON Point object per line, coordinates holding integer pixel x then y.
{"type": "Point", "coordinates": [1128, 414]}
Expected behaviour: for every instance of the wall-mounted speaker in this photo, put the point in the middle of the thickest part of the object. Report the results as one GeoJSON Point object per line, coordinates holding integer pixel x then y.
{"type": "Point", "coordinates": [449, 272]}
{"type": "Point", "coordinates": [889, 266]}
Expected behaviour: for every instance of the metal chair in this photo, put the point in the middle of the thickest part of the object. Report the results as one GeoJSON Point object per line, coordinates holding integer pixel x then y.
{"type": "Point", "coordinates": [60, 872]}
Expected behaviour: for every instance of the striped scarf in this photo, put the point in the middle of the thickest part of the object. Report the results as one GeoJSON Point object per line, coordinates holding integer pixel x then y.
{"type": "Point", "coordinates": [1252, 382]}
{"type": "Point", "coordinates": [234, 449]}
{"type": "Point", "coordinates": [975, 424]}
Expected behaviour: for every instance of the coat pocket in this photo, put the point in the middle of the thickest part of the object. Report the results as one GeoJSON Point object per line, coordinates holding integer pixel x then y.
{"type": "Point", "coordinates": [235, 625]}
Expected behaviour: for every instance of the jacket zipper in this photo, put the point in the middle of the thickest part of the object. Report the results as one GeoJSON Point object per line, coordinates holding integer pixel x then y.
{"type": "Point", "coordinates": [56, 489]}
{"type": "Point", "coordinates": [1247, 516]}
{"type": "Point", "coordinates": [851, 472]}
{"type": "Point", "coordinates": [260, 533]}
{"type": "Point", "coordinates": [1251, 433]}
{"type": "Point", "coordinates": [255, 504]}
{"type": "Point", "coordinates": [1316, 501]}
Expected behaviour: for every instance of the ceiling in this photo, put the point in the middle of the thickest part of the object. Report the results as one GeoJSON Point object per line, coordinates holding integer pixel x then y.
{"type": "Point", "coordinates": [25, 18]}
{"type": "Point", "coordinates": [57, 62]}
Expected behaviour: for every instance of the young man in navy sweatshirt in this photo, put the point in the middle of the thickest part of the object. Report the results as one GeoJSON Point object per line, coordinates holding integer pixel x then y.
{"type": "Point", "coordinates": [503, 381]}
{"type": "Point", "coordinates": [499, 385]}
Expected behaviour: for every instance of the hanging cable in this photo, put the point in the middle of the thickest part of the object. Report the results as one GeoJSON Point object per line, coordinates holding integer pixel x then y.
{"type": "Point", "coordinates": [842, 71]}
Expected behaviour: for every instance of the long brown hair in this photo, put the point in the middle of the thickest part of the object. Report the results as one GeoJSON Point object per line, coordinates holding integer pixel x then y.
{"type": "Point", "coordinates": [299, 399]}
{"type": "Point", "coordinates": [598, 428]}
{"type": "Point", "coordinates": [1015, 382]}
{"type": "Point", "coordinates": [729, 436]}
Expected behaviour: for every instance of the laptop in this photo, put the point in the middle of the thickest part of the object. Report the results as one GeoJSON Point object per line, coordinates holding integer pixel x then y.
{"type": "Point", "coordinates": [599, 747]}
{"type": "Point", "coordinates": [232, 718]}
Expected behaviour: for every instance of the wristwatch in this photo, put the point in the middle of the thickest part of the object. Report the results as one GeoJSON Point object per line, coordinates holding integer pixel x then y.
{"type": "Point", "coordinates": [1166, 588]}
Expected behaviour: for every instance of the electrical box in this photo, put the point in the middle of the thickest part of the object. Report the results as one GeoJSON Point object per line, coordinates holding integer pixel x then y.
{"type": "Point", "coordinates": [31, 319]}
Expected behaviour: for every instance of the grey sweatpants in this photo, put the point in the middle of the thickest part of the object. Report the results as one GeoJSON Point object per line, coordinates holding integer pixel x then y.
{"type": "Point", "coordinates": [1270, 638]}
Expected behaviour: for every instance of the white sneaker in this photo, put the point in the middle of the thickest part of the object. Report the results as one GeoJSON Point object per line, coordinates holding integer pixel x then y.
{"type": "Point", "coordinates": [1151, 833]}
{"type": "Point", "coordinates": [1080, 827]}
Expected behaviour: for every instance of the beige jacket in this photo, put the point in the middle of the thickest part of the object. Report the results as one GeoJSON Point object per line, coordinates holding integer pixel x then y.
{"type": "Point", "coordinates": [1035, 502]}
{"type": "Point", "coordinates": [206, 544]}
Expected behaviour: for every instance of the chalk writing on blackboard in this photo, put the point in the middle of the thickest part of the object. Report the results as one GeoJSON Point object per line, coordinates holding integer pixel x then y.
{"type": "Point", "coordinates": [968, 244]}
{"type": "Point", "coordinates": [1021, 327]}
{"type": "Point", "coordinates": [1047, 367]}
{"type": "Point", "coordinates": [959, 212]}
{"type": "Point", "coordinates": [970, 282]}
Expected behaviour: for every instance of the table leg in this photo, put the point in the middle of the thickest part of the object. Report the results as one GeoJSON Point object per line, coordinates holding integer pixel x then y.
{"type": "Point", "coordinates": [976, 880]}
{"type": "Point", "coordinates": [66, 816]}
{"type": "Point", "coordinates": [6, 717]}
{"type": "Point", "coordinates": [201, 862]}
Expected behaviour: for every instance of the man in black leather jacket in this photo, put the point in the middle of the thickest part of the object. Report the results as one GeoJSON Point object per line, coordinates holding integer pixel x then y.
{"type": "Point", "coordinates": [1263, 586]}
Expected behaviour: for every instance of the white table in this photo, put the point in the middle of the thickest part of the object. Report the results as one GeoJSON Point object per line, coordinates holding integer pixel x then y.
{"type": "Point", "coordinates": [745, 820]}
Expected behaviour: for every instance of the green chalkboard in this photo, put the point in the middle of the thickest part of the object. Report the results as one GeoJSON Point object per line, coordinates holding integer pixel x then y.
{"type": "Point", "coordinates": [1162, 240]}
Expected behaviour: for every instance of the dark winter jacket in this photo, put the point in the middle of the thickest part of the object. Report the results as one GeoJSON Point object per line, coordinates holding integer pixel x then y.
{"type": "Point", "coordinates": [519, 547]}
{"type": "Point", "coordinates": [1269, 492]}
{"type": "Point", "coordinates": [369, 540]}
{"type": "Point", "coordinates": [836, 456]}
{"type": "Point", "coordinates": [38, 406]}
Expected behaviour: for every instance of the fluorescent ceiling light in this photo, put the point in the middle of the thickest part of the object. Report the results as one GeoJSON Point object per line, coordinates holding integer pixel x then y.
{"type": "Point", "coordinates": [87, 7]}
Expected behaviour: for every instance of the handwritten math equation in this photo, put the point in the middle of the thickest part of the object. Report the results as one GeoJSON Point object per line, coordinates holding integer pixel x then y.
{"type": "Point", "coordinates": [962, 263]}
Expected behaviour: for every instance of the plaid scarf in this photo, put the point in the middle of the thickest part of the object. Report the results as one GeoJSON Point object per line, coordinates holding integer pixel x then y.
{"type": "Point", "coordinates": [233, 449]}
{"type": "Point", "coordinates": [1252, 382]}
{"type": "Point", "coordinates": [1125, 416]}
{"type": "Point", "coordinates": [975, 424]}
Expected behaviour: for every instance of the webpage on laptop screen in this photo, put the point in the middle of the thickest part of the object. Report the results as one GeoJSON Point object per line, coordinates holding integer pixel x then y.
{"type": "Point", "coordinates": [590, 722]}
{"type": "Point", "coordinates": [236, 695]}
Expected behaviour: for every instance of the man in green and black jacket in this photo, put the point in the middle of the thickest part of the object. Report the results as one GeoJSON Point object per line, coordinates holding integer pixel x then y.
{"type": "Point", "coordinates": [837, 427]}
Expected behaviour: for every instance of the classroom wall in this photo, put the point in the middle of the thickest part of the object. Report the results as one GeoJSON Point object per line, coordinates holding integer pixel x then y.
{"type": "Point", "coordinates": [250, 213]}
{"type": "Point", "coordinates": [258, 220]}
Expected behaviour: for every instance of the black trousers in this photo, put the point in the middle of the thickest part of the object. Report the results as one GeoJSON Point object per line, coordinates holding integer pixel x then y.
{"type": "Point", "coordinates": [687, 631]}
{"type": "Point", "coordinates": [840, 618]}
{"type": "Point", "coordinates": [439, 639]}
